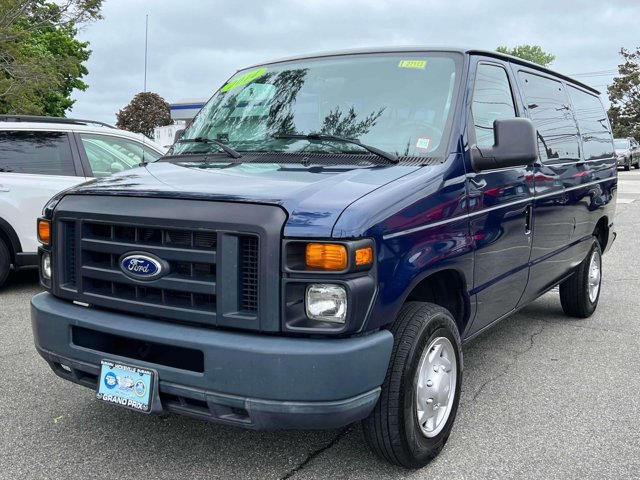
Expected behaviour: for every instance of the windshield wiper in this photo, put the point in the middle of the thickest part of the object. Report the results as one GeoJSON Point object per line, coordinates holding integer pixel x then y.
{"type": "Point", "coordinates": [321, 137]}
{"type": "Point", "coordinates": [223, 146]}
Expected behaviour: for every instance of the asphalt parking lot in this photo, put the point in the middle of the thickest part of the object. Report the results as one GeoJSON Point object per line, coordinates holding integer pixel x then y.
{"type": "Point", "coordinates": [544, 396]}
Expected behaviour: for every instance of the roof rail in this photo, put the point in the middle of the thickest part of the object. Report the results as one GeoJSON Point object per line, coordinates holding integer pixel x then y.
{"type": "Point", "coordinates": [42, 119]}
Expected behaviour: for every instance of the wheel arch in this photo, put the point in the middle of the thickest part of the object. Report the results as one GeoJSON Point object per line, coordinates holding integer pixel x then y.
{"type": "Point", "coordinates": [601, 232]}
{"type": "Point", "coordinates": [447, 288]}
{"type": "Point", "coordinates": [10, 237]}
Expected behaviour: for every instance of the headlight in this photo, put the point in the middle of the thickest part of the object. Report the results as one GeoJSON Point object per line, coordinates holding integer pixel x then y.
{"type": "Point", "coordinates": [326, 302]}
{"type": "Point", "coordinates": [46, 266]}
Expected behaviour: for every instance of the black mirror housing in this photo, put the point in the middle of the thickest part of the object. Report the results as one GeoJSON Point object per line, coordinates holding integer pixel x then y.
{"type": "Point", "coordinates": [515, 146]}
{"type": "Point", "coordinates": [178, 135]}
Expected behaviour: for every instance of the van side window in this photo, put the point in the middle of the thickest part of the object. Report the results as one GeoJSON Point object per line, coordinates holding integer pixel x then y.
{"type": "Point", "coordinates": [550, 112]}
{"type": "Point", "coordinates": [492, 100]}
{"type": "Point", "coordinates": [593, 124]}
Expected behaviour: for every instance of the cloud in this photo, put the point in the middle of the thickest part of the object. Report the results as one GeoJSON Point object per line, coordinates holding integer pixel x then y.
{"type": "Point", "coordinates": [195, 46]}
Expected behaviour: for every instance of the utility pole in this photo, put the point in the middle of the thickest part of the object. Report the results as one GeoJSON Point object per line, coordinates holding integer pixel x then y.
{"type": "Point", "coordinates": [146, 37]}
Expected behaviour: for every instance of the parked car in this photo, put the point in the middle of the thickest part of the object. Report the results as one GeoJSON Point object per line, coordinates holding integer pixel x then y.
{"type": "Point", "coordinates": [627, 153]}
{"type": "Point", "coordinates": [41, 156]}
{"type": "Point", "coordinates": [323, 238]}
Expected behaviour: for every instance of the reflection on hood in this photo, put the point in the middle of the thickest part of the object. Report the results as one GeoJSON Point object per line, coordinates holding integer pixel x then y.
{"type": "Point", "coordinates": [312, 196]}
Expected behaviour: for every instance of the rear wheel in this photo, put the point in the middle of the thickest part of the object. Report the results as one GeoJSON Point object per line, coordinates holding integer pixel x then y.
{"type": "Point", "coordinates": [419, 400]}
{"type": "Point", "coordinates": [5, 262]}
{"type": "Point", "coordinates": [579, 294]}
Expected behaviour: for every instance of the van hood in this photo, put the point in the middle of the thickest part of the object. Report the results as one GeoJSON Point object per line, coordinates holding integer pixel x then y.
{"type": "Point", "coordinates": [313, 197]}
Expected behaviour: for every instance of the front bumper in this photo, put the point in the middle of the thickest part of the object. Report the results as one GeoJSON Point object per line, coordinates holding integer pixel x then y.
{"type": "Point", "coordinates": [250, 380]}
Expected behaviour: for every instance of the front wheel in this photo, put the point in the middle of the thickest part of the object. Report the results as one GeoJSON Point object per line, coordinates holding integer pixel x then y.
{"type": "Point", "coordinates": [413, 418]}
{"type": "Point", "coordinates": [579, 294]}
{"type": "Point", "coordinates": [627, 165]}
{"type": "Point", "coordinates": [637, 165]}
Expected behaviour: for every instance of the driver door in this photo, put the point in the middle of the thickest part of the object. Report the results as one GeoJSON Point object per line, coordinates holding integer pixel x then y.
{"type": "Point", "coordinates": [500, 219]}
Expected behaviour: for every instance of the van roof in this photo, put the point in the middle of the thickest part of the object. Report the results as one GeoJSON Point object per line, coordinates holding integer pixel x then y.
{"type": "Point", "coordinates": [463, 51]}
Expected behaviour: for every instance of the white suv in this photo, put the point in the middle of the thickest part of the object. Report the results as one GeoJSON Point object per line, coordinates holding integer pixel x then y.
{"type": "Point", "coordinates": [39, 157]}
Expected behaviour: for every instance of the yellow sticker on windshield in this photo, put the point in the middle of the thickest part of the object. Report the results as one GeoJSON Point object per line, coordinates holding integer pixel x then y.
{"type": "Point", "coordinates": [421, 64]}
{"type": "Point", "coordinates": [244, 79]}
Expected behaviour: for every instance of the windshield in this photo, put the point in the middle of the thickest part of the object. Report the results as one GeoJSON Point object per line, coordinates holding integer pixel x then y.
{"type": "Point", "coordinates": [621, 144]}
{"type": "Point", "coordinates": [398, 103]}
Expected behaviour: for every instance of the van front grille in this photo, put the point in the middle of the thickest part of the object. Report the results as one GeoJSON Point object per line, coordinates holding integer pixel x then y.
{"type": "Point", "coordinates": [187, 292]}
{"type": "Point", "coordinates": [218, 263]}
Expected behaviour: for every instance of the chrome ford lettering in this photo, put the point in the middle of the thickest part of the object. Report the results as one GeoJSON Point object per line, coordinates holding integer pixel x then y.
{"type": "Point", "coordinates": [138, 265]}
{"type": "Point", "coordinates": [141, 266]}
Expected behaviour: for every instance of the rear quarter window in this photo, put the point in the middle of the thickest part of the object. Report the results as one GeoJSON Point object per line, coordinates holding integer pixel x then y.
{"type": "Point", "coordinates": [41, 153]}
{"type": "Point", "coordinates": [593, 124]}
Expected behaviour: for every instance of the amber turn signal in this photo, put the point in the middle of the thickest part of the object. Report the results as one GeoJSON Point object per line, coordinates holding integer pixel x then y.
{"type": "Point", "coordinates": [364, 256]}
{"type": "Point", "coordinates": [44, 231]}
{"type": "Point", "coordinates": [326, 256]}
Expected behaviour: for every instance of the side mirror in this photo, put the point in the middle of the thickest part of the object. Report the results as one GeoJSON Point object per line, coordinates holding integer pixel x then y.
{"type": "Point", "coordinates": [178, 135]}
{"type": "Point", "coordinates": [515, 146]}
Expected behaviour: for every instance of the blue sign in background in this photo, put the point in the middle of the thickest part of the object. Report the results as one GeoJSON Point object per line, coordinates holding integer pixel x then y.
{"type": "Point", "coordinates": [124, 381]}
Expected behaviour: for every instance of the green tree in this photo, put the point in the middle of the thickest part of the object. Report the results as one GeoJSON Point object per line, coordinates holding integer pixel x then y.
{"type": "Point", "coordinates": [145, 112]}
{"type": "Point", "coordinates": [532, 53]}
{"type": "Point", "coordinates": [41, 61]}
{"type": "Point", "coordinates": [624, 94]}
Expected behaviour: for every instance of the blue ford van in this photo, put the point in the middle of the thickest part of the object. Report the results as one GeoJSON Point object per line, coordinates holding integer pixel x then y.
{"type": "Point", "coordinates": [325, 236]}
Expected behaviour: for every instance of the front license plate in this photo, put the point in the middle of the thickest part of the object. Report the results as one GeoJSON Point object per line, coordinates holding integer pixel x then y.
{"type": "Point", "coordinates": [126, 385]}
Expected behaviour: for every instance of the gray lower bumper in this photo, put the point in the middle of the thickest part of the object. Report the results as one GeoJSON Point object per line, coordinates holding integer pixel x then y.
{"type": "Point", "coordinates": [249, 380]}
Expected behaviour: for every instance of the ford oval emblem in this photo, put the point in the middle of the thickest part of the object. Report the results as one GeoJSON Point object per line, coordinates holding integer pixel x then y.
{"type": "Point", "coordinates": [141, 267]}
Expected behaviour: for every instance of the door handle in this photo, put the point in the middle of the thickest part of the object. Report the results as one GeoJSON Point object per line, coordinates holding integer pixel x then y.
{"type": "Point", "coordinates": [527, 219]}
{"type": "Point", "coordinates": [478, 184]}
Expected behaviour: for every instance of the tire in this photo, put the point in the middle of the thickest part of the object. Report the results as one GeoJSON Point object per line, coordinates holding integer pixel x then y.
{"type": "Point", "coordinates": [392, 430]}
{"type": "Point", "coordinates": [627, 165]}
{"type": "Point", "coordinates": [637, 165]}
{"type": "Point", "coordinates": [5, 262]}
{"type": "Point", "coordinates": [576, 297]}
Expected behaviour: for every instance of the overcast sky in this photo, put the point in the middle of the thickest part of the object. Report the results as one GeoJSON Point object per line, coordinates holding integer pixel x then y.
{"type": "Point", "coordinates": [195, 45]}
